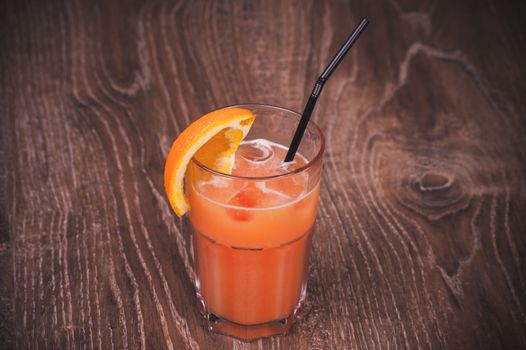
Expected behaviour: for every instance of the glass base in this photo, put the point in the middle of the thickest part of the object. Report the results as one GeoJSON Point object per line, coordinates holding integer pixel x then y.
{"type": "Point", "coordinates": [251, 332]}
{"type": "Point", "coordinates": [248, 333]}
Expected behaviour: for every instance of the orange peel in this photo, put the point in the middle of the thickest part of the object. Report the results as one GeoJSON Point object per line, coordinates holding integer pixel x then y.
{"type": "Point", "coordinates": [213, 140]}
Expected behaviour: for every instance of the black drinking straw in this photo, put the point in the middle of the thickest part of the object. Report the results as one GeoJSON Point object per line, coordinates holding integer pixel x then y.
{"type": "Point", "coordinates": [319, 86]}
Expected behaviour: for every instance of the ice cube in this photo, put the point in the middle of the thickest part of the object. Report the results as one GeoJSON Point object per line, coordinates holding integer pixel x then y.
{"type": "Point", "coordinates": [256, 151]}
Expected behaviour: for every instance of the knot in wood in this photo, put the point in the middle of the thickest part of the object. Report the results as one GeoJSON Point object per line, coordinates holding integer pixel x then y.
{"type": "Point", "coordinates": [434, 193]}
{"type": "Point", "coordinates": [432, 181]}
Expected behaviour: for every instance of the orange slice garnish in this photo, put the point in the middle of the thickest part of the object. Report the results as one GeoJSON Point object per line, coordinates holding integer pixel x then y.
{"type": "Point", "coordinates": [213, 140]}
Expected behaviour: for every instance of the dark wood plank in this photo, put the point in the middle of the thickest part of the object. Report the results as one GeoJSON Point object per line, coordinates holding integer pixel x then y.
{"type": "Point", "coordinates": [420, 239]}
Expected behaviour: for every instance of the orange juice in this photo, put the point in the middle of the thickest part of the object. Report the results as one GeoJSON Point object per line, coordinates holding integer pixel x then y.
{"type": "Point", "coordinates": [252, 229]}
{"type": "Point", "coordinates": [252, 238]}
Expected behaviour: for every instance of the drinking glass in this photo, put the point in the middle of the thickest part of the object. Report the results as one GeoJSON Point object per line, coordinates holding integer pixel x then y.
{"type": "Point", "coordinates": [252, 235]}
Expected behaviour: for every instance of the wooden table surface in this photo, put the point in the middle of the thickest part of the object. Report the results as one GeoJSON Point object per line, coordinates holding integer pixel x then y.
{"type": "Point", "coordinates": [420, 241]}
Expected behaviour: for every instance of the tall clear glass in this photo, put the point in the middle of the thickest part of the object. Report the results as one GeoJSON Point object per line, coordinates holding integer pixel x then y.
{"type": "Point", "coordinates": [251, 253]}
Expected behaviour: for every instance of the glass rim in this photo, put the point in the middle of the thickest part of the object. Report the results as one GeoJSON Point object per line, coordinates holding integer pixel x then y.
{"type": "Point", "coordinates": [302, 168]}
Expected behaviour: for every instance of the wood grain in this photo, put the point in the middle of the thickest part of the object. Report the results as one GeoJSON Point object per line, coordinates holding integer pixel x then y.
{"type": "Point", "coordinates": [420, 240]}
